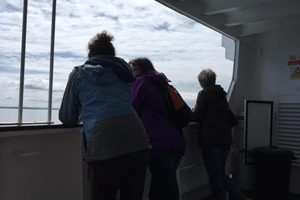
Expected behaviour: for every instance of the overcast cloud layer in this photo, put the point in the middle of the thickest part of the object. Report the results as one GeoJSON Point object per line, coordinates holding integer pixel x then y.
{"type": "Point", "coordinates": [178, 46]}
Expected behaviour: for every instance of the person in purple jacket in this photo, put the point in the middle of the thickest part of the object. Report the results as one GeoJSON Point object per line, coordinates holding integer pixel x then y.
{"type": "Point", "coordinates": [168, 142]}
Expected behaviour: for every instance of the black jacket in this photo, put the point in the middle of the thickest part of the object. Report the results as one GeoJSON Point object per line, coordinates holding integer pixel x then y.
{"type": "Point", "coordinates": [212, 112]}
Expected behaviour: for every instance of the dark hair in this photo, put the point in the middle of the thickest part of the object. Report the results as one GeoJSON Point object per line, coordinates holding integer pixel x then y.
{"type": "Point", "coordinates": [144, 64]}
{"type": "Point", "coordinates": [101, 44]}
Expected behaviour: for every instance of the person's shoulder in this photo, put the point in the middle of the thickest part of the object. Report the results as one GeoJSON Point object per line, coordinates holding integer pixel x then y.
{"type": "Point", "coordinates": [201, 93]}
{"type": "Point", "coordinates": [119, 60]}
{"type": "Point", "coordinates": [143, 82]}
{"type": "Point", "coordinates": [141, 79]}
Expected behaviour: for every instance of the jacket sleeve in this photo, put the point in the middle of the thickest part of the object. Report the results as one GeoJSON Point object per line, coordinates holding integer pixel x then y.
{"type": "Point", "coordinates": [124, 72]}
{"type": "Point", "coordinates": [199, 109]}
{"type": "Point", "coordinates": [70, 106]}
{"type": "Point", "coordinates": [135, 96]}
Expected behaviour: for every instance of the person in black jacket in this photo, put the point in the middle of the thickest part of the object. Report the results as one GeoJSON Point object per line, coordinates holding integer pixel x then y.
{"type": "Point", "coordinates": [213, 113]}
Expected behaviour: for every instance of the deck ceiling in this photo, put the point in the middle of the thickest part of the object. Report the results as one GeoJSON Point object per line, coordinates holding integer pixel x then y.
{"type": "Point", "coordinates": [240, 18]}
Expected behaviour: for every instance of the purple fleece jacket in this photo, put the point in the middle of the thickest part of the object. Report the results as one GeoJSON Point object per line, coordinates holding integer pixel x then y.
{"type": "Point", "coordinates": [148, 99]}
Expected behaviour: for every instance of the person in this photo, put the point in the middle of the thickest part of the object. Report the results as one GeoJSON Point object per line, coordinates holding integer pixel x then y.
{"type": "Point", "coordinates": [215, 139]}
{"type": "Point", "coordinates": [168, 143]}
{"type": "Point", "coordinates": [117, 146]}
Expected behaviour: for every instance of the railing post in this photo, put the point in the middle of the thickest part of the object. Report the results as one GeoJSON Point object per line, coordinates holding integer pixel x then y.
{"type": "Point", "coordinates": [22, 63]}
{"type": "Point", "coordinates": [51, 60]}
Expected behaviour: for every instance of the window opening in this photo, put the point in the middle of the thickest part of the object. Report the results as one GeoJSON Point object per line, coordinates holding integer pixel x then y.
{"type": "Point", "coordinates": [178, 46]}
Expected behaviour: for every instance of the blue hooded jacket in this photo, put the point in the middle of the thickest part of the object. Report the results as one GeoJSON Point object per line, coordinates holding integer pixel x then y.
{"type": "Point", "coordinates": [98, 91]}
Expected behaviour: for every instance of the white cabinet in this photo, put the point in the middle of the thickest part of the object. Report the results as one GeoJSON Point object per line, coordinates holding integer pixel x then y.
{"type": "Point", "coordinates": [43, 164]}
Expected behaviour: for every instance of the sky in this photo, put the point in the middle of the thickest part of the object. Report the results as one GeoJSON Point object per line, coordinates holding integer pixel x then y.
{"type": "Point", "coordinates": [177, 46]}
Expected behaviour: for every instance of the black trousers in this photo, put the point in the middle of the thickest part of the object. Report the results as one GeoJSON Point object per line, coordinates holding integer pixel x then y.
{"type": "Point", "coordinates": [163, 169]}
{"type": "Point", "coordinates": [125, 174]}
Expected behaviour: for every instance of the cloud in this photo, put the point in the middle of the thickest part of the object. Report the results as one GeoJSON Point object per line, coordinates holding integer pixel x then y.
{"type": "Point", "coordinates": [8, 97]}
{"type": "Point", "coordinates": [10, 6]}
{"type": "Point", "coordinates": [4, 69]}
{"type": "Point", "coordinates": [36, 84]}
{"type": "Point", "coordinates": [162, 26]}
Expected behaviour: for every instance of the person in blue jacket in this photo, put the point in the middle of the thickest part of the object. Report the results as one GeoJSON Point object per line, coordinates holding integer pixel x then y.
{"type": "Point", "coordinates": [117, 147]}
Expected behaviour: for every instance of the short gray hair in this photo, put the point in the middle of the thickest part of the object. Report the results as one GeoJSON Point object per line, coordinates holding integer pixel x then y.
{"type": "Point", "coordinates": [207, 77]}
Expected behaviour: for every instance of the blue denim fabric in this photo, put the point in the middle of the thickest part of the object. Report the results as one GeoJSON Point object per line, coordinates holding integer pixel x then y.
{"type": "Point", "coordinates": [163, 176]}
{"type": "Point", "coordinates": [215, 161]}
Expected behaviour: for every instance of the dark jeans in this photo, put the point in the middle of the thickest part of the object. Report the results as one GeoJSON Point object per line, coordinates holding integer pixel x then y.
{"type": "Point", "coordinates": [215, 161]}
{"type": "Point", "coordinates": [125, 174]}
{"type": "Point", "coordinates": [163, 176]}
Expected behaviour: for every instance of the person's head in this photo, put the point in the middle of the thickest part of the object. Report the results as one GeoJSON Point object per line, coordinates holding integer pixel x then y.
{"type": "Point", "coordinates": [207, 78]}
{"type": "Point", "coordinates": [101, 44]}
{"type": "Point", "coordinates": [142, 66]}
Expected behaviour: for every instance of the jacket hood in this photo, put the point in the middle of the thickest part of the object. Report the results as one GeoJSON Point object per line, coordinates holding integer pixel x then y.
{"type": "Point", "coordinates": [159, 77]}
{"type": "Point", "coordinates": [102, 68]}
{"type": "Point", "coordinates": [217, 90]}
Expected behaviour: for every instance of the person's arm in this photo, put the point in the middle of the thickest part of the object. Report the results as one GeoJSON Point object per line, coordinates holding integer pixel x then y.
{"type": "Point", "coordinates": [70, 106]}
{"type": "Point", "coordinates": [199, 109]}
{"type": "Point", "coordinates": [135, 95]}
